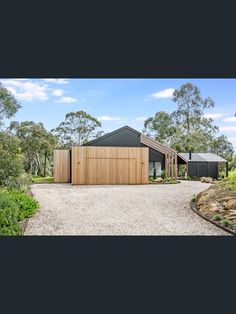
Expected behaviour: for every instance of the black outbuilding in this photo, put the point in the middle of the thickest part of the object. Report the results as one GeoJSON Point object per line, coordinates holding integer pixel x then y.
{"type": "Point", "coordinates": [202, 164]}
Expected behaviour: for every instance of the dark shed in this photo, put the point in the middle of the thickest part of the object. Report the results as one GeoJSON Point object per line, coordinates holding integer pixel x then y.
{"type": "Point", "coordinates": [201, 164]}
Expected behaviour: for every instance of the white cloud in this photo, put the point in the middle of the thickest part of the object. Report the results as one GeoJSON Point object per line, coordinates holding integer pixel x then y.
{"type": "Point", "coordinates": [109, 118]}
{"type": "Point", "coordinates": [57, 92]}
{"type": "Point", "coordinates": [140, 119]}
{"type": "Point", "coordinates": [66, 99]}
{"type": "Point", "coordinates": [227, 128]}
{"type": "Point", "coordinates": [230, 119]}
{"type": "Point", "coordinates": [24, 89]}
{"type": "Point", "coordinates": [214, 115]}
{"type": "Point", "coordinates": [166, 93]}
{"type": "Point", "coordinates": [56, 81]}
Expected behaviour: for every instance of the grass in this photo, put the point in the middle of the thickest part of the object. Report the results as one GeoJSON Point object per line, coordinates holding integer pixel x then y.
{"type": "Point", "coordinates": [38, 179]}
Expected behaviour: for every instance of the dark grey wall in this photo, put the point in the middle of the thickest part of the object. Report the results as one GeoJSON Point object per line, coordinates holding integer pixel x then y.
{"type": "Point", "coordinates": [202, 169]}
{"type": "Point", "coordinates": [124, 137]}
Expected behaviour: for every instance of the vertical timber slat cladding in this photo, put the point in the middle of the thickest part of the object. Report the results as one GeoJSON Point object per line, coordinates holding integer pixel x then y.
{"type": "Point", "coordinates": [61, 166]}
{"type": "Point", "coordinates": [109, 165]}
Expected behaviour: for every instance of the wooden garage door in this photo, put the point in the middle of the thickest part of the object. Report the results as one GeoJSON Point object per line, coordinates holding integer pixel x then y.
{"type": "Point", "coordinates": [61, 166]}
{"type": "Point", "coordinates": [109, 165]}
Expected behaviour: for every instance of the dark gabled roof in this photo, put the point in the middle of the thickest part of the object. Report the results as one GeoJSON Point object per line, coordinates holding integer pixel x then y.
{"type": "Point", "coordinates": [147, 141]}
{"type": "Point", "coordinates": [208, 157]}
{"type": "Point", "coordinates": [110, 134]}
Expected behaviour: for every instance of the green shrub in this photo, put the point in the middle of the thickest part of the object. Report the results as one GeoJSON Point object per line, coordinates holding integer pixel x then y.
{"type": "Point", "coordinates": [226, 222]}
{"type": "Point", "coordinates": [217, 217]}
{"type": "Point", "coordinates": [26, 204]}
{"type": "Point", "coordinates": [9, 213]}
{"type": "Point", "coordinates": [194, 198]}
{"type": "Point", "coordinates": [21, 183]}
{"type": "Point", "coordinates": [14, 207]}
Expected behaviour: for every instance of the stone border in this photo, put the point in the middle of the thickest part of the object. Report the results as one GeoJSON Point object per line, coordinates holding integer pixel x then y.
{"type": "Point", "coordinates": [194, 208]}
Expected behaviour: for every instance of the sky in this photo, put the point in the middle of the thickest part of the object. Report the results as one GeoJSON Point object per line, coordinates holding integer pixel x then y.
{"type": "Point", "coordinates": [118, 102]}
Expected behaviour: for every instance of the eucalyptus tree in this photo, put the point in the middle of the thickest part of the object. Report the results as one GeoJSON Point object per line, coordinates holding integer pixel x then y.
{"type": "Point", "coordinates": [77, 128]}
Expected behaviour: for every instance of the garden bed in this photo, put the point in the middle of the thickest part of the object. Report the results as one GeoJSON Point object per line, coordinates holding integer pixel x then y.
{"type": "Point", "coordinates": [217, 204]}
{"type": "Point", "coordinates": [231, 229]}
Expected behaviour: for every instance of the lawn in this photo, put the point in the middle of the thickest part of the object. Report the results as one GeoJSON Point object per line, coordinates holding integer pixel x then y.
{"type": "Point", "coordinates": [38, 179]}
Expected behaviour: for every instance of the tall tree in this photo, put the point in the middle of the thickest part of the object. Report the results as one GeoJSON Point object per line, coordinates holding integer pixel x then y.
{"type": "Point", "coordinates": [36, 144]}
{"type": "Point", "coordinates": [11, 165]}
{"type": "Point", "coordinates": [222, 147]}
{"type": "Point", "coordinates": [77, 128]}
{"type": "Point", "coordinates": [190, 109]}
{"type": "Point", "coordinates": [8, 104]}
{"type": "Point", "coordinates": [187, 128]}
{"type": "Point", "coordinates": [161, 127]}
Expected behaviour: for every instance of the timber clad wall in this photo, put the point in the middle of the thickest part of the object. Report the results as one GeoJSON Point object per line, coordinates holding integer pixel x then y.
{"type": "Point", "coordinates": [109, 165]}
{"type": "Point", "coordinates": [61, 166]}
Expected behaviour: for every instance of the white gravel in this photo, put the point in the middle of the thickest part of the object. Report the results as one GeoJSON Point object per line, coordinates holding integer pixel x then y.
{"type": "Point", "coordinates": [118, 210]}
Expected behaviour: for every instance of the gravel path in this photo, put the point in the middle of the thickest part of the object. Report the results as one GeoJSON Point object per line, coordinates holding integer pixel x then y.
{"type": "Point", "coordinates": [118, 210]}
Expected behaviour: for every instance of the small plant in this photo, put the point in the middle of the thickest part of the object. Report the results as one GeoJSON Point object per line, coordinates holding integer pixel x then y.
{"type": "Point", "coordinates": [217, 217]}
{"type": "Point", "coordinates": [194, 198]}
{"type": "Point", "coordinates": [163, 174]}
{"type": "Point", "coordinates": [226, 222]}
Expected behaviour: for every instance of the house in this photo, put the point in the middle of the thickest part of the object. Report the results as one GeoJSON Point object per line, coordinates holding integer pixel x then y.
{"type": "Point", "coordinates": [124, 156]}
{"type": "Point", "coordinates": [202, 164]}
{"type": "Point", "coordinates": [161, 157]}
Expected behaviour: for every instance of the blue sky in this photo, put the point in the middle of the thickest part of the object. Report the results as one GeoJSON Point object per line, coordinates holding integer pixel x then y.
{"type": "Point", "coordinates": [117, 102]}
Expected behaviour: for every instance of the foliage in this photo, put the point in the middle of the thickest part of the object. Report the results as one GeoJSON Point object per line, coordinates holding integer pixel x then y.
{"type": "Point", "coordinates": [222, 147]}
{"type": "Point", "coordinates": [226, 222]}
{"type": "Point", "coordinates": [26, 204]}
{"type": "Point", "coordinates": [8, 104]}
{"type": "Point", "coordinates": [230, 182]}
{"type": "Point", "coordinates": [161, 126]}
{"type": "Point", "coordinates": [11, 164]}
{"type": "Point", "coordinates": [77, 128]}
{"type": "Point", "coordinates": [36, 144]}
{"type": "Point", "coordinates": [194, 198]}
{"type": "Point", "coordinates": [232, 163]}
{"type": "Point", "coordinates": [217, 217]}
{"type": "Point", "coordinates": [14, 207]}
{"type": "Point", "coordinates": [187, 128]}
{"type": "Point", "coordinates": [8, 216]}
{"type": "Point", "coordinates": [21, 183]}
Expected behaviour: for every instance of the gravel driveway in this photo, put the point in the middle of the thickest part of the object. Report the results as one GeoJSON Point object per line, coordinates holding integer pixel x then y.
{"type": "Point", "coordinates": [118, 210]}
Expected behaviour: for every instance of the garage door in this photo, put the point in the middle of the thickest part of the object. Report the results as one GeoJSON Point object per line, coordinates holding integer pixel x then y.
{"type": "Point", "coordinates": [109, 165]}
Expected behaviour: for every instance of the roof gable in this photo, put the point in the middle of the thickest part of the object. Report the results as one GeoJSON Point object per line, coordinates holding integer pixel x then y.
{"type": "Point", "coordinates": [126, 127]}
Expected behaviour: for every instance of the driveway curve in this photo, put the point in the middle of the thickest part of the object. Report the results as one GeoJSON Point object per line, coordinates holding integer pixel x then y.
{"type": "Point", "coordinates": [118, 210]}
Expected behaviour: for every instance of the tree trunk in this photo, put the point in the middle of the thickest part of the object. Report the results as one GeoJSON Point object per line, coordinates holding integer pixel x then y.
{"type": "Point", "coordinates": [45, 164]}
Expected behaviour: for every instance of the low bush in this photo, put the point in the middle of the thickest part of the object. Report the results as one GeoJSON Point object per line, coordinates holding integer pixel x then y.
{"type": "Point", "coordinates": [14, 207]}
{"type": "Point", "coordinates": [21, 183]}
{"type": "Point", "coordinates": [217, 217]}
{"type": "Point", "coordinates": [226, 222]}
{"type": "Point", "coordinates": [27, 205]}
{"type": "Point", "coordinates": [8, 216]}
